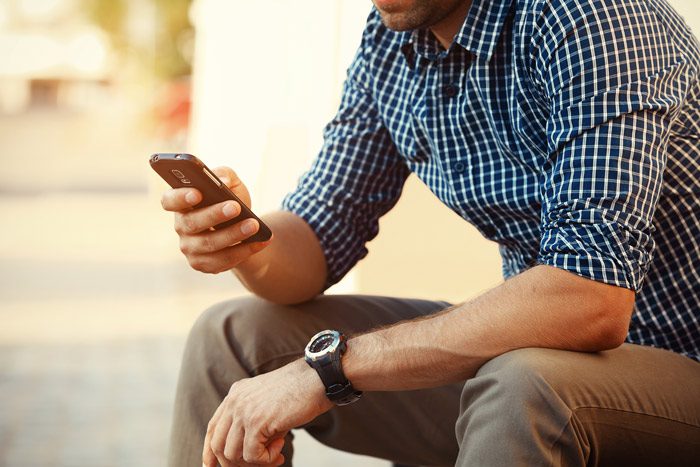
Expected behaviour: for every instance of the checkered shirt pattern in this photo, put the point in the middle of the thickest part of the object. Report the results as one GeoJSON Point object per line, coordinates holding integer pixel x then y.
{"type": "Point", "coordinates": [567, 131]}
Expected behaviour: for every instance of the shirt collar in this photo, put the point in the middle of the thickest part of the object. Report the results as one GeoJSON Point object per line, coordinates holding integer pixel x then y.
{"type": "Point", "coordinates": [479, 34]}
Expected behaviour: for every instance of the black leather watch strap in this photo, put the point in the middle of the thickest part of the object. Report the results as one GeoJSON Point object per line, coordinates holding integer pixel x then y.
{"type": "Point", "coordinates": [331, 373]}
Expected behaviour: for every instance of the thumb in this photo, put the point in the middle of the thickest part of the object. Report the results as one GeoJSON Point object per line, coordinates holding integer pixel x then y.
{"type": "Point", "coordinates": [228, 176]}
{"type": "Point", "coordinates": [274, 449]}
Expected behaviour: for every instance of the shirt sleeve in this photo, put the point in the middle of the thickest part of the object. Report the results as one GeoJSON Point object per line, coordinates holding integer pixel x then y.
{"type": "Point", "coordinates": [356, 178]}
{"type": "Point", "coordinates": [613, 83]}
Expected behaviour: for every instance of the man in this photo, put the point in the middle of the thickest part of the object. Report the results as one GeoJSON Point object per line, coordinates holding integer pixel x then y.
{"type": "Point", "coordinates": [568, 132]}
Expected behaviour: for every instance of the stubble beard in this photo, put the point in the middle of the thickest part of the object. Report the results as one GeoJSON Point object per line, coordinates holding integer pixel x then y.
{"type": "Point", "coordinates": [424, 14]}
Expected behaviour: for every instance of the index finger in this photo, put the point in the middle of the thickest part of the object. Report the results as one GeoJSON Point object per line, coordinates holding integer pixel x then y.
{"type": "Point", "coordinates": [208, 457]}
{"type": "Point", "coordinates": [180, 199]}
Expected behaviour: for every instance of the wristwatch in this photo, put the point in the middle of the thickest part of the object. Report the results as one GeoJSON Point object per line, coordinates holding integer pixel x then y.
{"type": "Point", "coordinates": [323, 354]}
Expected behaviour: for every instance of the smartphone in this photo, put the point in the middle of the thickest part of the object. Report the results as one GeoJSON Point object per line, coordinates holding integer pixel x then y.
{"type": "Point", "coordinates": [185, 170]}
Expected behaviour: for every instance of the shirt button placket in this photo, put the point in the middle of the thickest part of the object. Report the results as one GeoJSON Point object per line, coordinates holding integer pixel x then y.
{"type": "Point", "coordinates": [450, 90]}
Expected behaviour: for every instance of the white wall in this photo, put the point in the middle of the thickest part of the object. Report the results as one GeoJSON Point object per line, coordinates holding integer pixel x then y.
{"type": "Point", "coordinates": [690, 10]}
{"type": "Point", "coordinates": [267, 78]}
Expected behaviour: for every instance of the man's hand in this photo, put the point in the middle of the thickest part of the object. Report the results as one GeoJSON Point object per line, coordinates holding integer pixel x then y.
{"type": "Point", "coordinates": [207, 250]}
{"type": "Point", "coordinates": [249, 426]}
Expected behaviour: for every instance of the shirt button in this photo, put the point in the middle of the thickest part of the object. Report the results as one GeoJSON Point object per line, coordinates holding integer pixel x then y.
{"type": "Point", "coordinates": [450, 90]}
{"type": "Point", "coordinates": [458, 167]}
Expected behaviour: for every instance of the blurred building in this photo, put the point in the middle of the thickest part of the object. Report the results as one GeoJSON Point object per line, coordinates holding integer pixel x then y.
{"type": "Point", "coordinates": [105, 83]}
{"type": "Point", "coordinates": [52, 56]}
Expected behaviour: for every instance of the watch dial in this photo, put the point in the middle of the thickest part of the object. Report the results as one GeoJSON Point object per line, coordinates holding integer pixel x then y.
{"type": "Point", "coordinates": [322, 343]}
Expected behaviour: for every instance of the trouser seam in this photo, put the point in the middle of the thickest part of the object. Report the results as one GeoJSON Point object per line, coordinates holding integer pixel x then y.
{"type": "Point", "coordinates": [636, 413]}
{"type": "Point", "coordinates": [561, 433]}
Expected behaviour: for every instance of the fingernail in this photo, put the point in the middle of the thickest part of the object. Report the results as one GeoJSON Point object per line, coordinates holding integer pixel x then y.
{"type": "Point", "coordinates": [191, 197]}
{"type": "Point", "coordinates": [225, 180]}
{"type": "Point", "coordinates": [230, 209]}
{"type": "Point", "coordinates": [248, 227]}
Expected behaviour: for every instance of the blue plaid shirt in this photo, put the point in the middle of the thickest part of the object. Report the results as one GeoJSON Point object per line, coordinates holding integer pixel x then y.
{"type": "Point", "coordinates": [566, 131]}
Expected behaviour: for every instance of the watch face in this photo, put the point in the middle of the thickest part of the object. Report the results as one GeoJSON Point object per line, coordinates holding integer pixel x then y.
{"type": "Point", "coordinates": [322, 343]}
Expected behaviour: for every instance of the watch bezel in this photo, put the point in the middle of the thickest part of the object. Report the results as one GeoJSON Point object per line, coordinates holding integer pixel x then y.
{"type": "Point", "coordinates": [315, 356]}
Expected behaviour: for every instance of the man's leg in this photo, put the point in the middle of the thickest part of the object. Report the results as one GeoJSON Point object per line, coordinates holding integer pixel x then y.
{"type": "Point", "coordinates": [242, 338]}
{"type": "Point", "coordinates": [538, 407]}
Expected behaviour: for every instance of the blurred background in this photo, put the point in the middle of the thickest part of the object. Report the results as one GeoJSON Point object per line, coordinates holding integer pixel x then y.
{"type": "Point", "coordinates": [96, 299]}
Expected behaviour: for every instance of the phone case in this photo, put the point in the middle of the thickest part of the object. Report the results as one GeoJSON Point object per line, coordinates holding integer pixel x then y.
{"type": "Point", "coordinates": [185, 170]}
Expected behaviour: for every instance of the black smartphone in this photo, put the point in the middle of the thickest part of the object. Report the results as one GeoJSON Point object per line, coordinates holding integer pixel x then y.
{"type": "Point", "coordinates": [185, 170]}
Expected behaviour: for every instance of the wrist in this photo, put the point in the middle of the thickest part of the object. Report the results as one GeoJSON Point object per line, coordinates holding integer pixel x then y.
{"type": "Point", "coordinates": [254, 267]}
{"type": "Point", "coordinates": [312, 384]}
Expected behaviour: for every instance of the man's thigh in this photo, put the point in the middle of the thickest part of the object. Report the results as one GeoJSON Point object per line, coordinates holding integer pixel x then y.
{"type": "Point", "coordinates": [413, 427]}
{"type": "Point", "coordinates": [262, 333]}
{"type": "Point", "coordinates": [632, 405]}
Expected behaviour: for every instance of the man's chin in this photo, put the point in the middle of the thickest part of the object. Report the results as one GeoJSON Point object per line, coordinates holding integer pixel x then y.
{"type": "Point", "coordinates": [399, 21]}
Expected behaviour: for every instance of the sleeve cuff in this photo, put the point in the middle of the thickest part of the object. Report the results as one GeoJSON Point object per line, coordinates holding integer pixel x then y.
{"type": "Point", "coordinates": [601, 252]}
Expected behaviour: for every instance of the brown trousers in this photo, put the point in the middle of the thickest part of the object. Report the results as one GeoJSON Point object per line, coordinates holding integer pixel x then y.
{"type": "Point", "coordinates": [532, 407]}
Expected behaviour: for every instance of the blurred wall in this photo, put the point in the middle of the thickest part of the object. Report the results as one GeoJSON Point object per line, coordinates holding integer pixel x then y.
{"type": "Point", "coordinates": [267, 78]}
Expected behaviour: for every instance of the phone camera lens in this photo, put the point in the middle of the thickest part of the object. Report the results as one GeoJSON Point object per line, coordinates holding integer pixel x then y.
{"type": "Point", "coordinates": [177, 173]}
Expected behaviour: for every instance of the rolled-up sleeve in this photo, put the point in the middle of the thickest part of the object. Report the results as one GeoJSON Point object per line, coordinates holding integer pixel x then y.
{"type": "Point", "coordinates": [613, 83]}
{"type": "Point", "coordinates": [356, 178]}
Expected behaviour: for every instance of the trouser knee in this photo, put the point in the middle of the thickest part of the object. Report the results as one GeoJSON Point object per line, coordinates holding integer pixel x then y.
{"type": "Point", "coordinates": [258, 334]}
{"type": "Point", "coordinates": [511, 402]}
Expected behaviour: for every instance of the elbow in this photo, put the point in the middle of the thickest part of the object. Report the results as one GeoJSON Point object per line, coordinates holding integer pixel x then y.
{"type": "Point", "coordinates": [285, 298]}
{"type": "Point", "coordinates": [288, 295]}
{"type": "Point", "coordinates": [609, 335]}
{"type": "Point", "coordinates": [291, 299]}
{"type": "Point", "coordinates": [610, 318]}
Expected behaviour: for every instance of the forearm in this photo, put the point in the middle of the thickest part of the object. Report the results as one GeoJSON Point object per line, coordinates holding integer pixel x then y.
{"type": "Point", "coordinates": [292, 268]}
{"type": "Point", "coordinates": [542, 307]}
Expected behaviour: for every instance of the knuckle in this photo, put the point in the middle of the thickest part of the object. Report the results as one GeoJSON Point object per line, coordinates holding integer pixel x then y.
{"type": "Point", "coordinates": [217, 448]}
{"type": "Point", "coordinates": [189, 226]}
{"type": "Point", "coordinates": [255, 420]}
{"type": "Point", "coordinates": [180, 224]}
{"type": "Point", "coordinates": [273, 427]}
{"type": "Point", "coordinates": [207, 244]}
{"type": "Point", "coordinates": [229, 453]}
{"type": "Point", "coordinates": [185, 247]}
{"type": "Point", "coordinates": [197, 264]}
